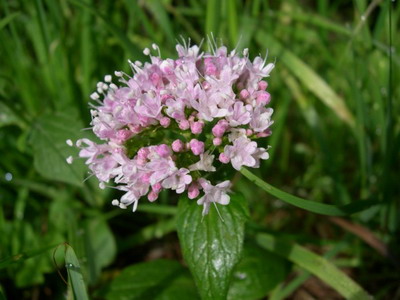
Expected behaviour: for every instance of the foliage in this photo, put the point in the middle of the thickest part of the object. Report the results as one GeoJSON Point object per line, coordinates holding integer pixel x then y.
{"type": "Point", "coordinates": [335, 142]}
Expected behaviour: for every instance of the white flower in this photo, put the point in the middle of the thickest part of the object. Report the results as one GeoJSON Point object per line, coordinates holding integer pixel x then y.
{"type": "Point", "coordinates": [236, 133]}
{"type": "Point", "coordinates": [204, 164]}
{"type": "Point", "coordinates": [213, 194]}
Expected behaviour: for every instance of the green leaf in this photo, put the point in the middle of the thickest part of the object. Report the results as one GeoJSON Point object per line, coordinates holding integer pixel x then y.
{"type": "Point", "coordinates": [75, 274]}
{"type": "Point", "coordinates": [100, 247]}
{"type": "Point", "coordinates": [50, 149]}
{"type": "Point", "coordinates": [158, 279]}
{"type": "Point", "coordinates": [8, 117]}
{"type": "Point", "coordinates": [312, 206]}
{"type": "Point", "coordinates": [257, 273]}
{"type": "Point", "coordinates": [315, 264]}
{"type": "Point", "coordinates": [211, 246]}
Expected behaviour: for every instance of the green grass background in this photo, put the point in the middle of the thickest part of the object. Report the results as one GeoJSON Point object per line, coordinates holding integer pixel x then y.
{"type": "Point", "coordinates": [336, 136]}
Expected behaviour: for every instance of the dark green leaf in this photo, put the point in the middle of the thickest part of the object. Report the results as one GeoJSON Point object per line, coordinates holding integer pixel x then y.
{"type": "Point", "coordinates": [100, 247]}
{"type": "Point", "coordinates": [50, 149]}
{"type": "Point", "coordinates": [159, 279]}
{"type": "Point", "coordinates": [211, 246]}
{"type": "Point", "coordinates": [257, 273]}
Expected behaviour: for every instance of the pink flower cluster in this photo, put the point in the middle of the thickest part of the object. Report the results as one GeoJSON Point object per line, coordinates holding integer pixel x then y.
{"type": "Point", "coordinates": [174, 121]}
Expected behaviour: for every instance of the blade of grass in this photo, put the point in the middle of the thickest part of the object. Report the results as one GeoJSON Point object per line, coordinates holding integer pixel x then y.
{"type": "Point", "coordinates": [5, 262]}
{"type": "Point", "coordinates": [232, 22]}
{"type": "Point", "coordinates": [8, 19]}
{"type": "Point", "coordinates": [315, 264]}
{"type": "Point", "coordinates": [121, 36]}
{"type": "Point", "coordinates": [158, 11]}
{"type": "Point", "coordinates": [315, 207]}
{"type": "Point", "coordinates": [212, 17]}
{"type": "Point", "coordinates": [309, 78]}
{"type": "Point", "coordinates": [75, 274]}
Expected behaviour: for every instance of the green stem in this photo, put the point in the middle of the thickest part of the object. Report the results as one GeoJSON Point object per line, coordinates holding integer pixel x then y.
{"type": "Point", "coordinates": [315, 207]}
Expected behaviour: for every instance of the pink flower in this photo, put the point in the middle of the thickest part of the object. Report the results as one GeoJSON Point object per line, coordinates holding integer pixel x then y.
{"type": "Point", "coordinates": [261, 119]}
{"type": "Point", "coordinates": [162, 127]}
{"type": "Point", "coordinates": [178, 180]}
{"type": "Point", "coordinates": [160, 169]}
{"type": "Point", "coordinates": [240, 114]}
{"type": "Point", "coordinates": [241, 153]}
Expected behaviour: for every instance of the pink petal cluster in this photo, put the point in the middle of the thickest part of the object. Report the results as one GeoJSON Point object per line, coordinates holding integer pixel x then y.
{"type": "Point", "coordinates": [175, 121]}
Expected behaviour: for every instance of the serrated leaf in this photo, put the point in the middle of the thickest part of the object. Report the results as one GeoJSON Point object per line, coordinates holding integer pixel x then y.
{"type": "Point", "coordinates": [211, 246]}
{"type": "Point", "coordinates": [158, 279]}
{"type": "Point", "coordinates": [50, 149]}
{"type": "Point", "coordinates": [257, 273]}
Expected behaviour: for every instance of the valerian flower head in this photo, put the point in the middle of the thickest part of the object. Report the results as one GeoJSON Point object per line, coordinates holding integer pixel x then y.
{"type": "Point", "coordinates": [175, 121]}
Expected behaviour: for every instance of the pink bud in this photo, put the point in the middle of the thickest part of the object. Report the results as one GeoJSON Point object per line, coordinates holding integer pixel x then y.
{"type": "Point", "coordinates": [217, 141]}
{"type": "Point", "coordinates": [155, 78]}
{"type": "Point", "coordinates": [163, 150]}
{"type": "Point", "coordinates": [156, 187]}
{"type": "Point", "coordinates": [265, 133]}
{"type": "Point", "coordinates": [184, 124]}
{"type": "Point", "coordinates": [178, 146]}
{"type": "Point", "coordinates": [249, 132]}
{"type": "Point", "coordinates": [135, 128]}
{"type": "Point", "coordinates": [223, 158]}
{"type": "Point", "coordinates": [141, 162]}
{"type": "Point", "coordinates": [167, 66]}
{"type": "Point", "coordinates": [263, 98]}
{"type": "Point", "coordinates": [211, 69]}
{"type": "Point", "coordinates": [123, 135]}
{"type": "Point", "coordinates": [152, 196]}
{"type": "Point", "coordinates": [165, 97]}
{"type": "Point", "coordinates": [193, 191]}
{"type": "Point", "coordinates": [196, 146]}
{"type": "Point", "coordinates": [208, 60]}
{"type": "Point", "coordinates": [206, 85]}
{"type": "Point", "coordinates": [218, 130]}
{"type": "Point", "coordinates": [224, 123]}
{"type": "Point", "coordinates": [244, 94]}
{"type": "Point", "coordinates": [262, 85]}
{"type": "Point", "coordinates": [145, 178]}
{"type": "Point", "coordinates": [143, 153]}
{"type": "Point", "coordinates": [165, 121]}
{"type": "Point", "coordinates": [196, 127]}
